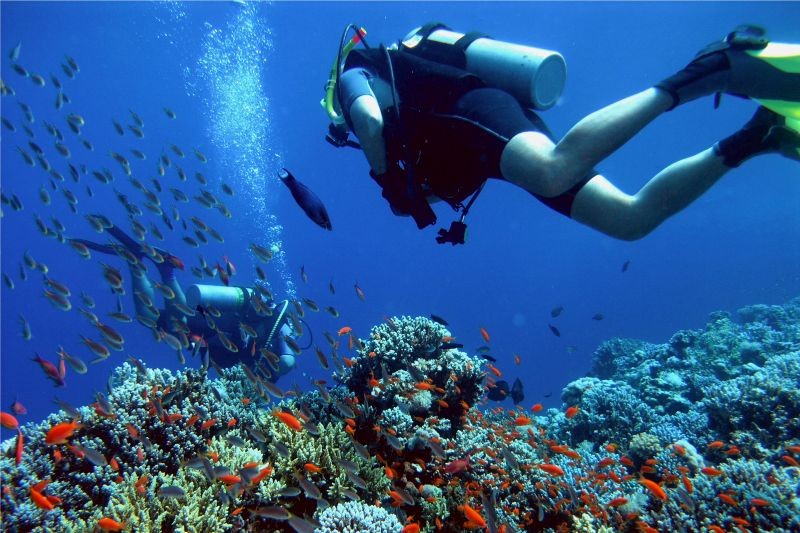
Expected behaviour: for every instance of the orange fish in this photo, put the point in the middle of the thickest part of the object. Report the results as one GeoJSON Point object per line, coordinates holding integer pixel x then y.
{"type": "Point", "coordinates": [410, 528]}
{"type": "Point", "coordinates": [716, 445]}
{"type": "Point", "coordinates": [522, 421]}
{"type": "Point", "coordinates": [726, 498]}
{"type": "Point", "coordinates": [485, 334]}
{"type": "Point", "coordinates": [789, 460]}
{"type": "Point", "coordinates": [680, 450]}
{"type": "Point", "coordinates": [605, 462]}
{"type": "Point", "coordinates": [41, 501]}
{"type": "Point", "coordinates": [535, 408]}
{"type": "Point", "coordinates": [8, 421]}
{"type": "Point", "coordinates": [758, 502]}
{"type": "Point", "coordinates": [473, 515]}
{"type": "Point", "coordinates": [59, 433]}
{"type": "Point", "coordinates": [18, 455]}
{"type": "Point", "coordinates": [654, 488]}
{"type": "Point", "coordinates": [231, 423]}
{"type": "Point", "coordinates": [711, 471]}
{"type": "Point", "coordinates": [311, 467]}
{"type": "Point", "coordinates": [571, 411]}
{"type": "Point", "coordinates": [553, 470]}
{"type": "Point", "coordinates": [288, 419]}
{"type": "Point", "coordinates": [616, 502]}
{"type": "Point", "coordinates": [207, 424]}
{"type": "Point", "coordinates": [715, 528]}
{"type": "Point", "coordinates": [345, 330]}
{"type": "Point", "coordinates": [687, 484]}
{"type": "Point", "coordinates": [109, 524]}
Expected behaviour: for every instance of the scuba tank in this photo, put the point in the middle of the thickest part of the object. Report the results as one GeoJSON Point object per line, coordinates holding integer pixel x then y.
{"type": "Point", "coordinates": [534, 76]}
{"type": "Point", "coordinates": [232, 302]}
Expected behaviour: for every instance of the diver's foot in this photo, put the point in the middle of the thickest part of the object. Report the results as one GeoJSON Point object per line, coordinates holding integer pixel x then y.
{"type": "Point", "coordinates": [741, 65]}
{"type": "Point", "coordinates": [705, 75]}
{"type": "Point", "coordinates": [765, 132]}
{"type": "Point", "coordinates": [785, 140]}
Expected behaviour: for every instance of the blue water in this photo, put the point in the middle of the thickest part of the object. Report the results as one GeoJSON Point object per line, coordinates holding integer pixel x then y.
{"type": "Point", "coordinates": [245, 83]}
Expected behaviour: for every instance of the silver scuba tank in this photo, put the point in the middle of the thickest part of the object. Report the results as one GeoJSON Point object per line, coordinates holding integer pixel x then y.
{"type": "Point", "coordinates": [230, 301]}
{"type": "Point", "coordinates": [534, 76]}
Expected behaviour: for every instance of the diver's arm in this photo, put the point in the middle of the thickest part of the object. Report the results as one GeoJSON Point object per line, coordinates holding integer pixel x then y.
{"type": "Point", "coordinates": [368, 127]}
{"type": "Point", "coordinates": [365, 117]}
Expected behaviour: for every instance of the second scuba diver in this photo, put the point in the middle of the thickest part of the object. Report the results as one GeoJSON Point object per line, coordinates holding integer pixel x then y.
{"type": "Point", "coordinates": [441, 112]}
{"type": "Point", "coordinates": [225, 325]}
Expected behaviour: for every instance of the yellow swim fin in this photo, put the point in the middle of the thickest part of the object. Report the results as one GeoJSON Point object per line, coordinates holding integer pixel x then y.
{"type": "Point", "coordinates": [786, 58]}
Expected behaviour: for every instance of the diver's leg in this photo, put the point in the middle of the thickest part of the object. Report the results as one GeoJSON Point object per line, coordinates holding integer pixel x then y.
{"type": "Point", "coordinates": [600, 205]}
{"type": "Point", "coordinates": [537, 165]}
{"type": "Point", "coordinates": [604, 207]}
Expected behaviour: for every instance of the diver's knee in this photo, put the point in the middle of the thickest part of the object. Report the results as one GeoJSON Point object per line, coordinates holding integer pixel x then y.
{"type": "Point", "coordinates": [529, 161]}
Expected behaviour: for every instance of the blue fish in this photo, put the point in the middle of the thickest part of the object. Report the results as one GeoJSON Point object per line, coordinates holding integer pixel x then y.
{"type": "Point", "coordinates": [306, 199]}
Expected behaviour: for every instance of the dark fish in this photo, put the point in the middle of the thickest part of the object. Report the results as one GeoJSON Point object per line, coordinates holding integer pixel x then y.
{"type": "Point", "coordinates": [307, 200]}
{"type": "Point", "coordinates": [499, 392]}
{"type": "Point", "coordinates": [14, 55]}
{"type": "Point", "coordinates": [556, 311]}
{"type": "Point", "coordinates": [554, 330]}
{"type": "Point", "coordinates": [598, 316]}
{"type": "Point", "coordinates": [450, 345]}
{"type": "Point", "coordinates": [171, 491]}
{"type": "Point", "coordinates": [517, 392]}
{"type": "Point", "coordinates": [625, 265]}
{"type": "Point", "coordinates": [439, 320]}
{"type": "Point", "coordinates": [488, 357]}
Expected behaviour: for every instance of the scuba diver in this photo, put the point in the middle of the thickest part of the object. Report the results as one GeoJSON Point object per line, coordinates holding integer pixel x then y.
{"type": "Point", "coordinates": [440, 112]}
{"type": "Point", "coordinates": [225, 325]}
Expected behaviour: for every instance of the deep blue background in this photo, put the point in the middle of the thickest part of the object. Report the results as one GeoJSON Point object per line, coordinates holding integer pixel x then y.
{"type": "Point", "coordinates": [737, 245]}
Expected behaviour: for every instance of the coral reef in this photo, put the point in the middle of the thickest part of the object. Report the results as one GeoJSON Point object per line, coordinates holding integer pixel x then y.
{"type": "Point", "coordinates": [699, 433]}
{"type": "Point", "coordinates": [356, 517]}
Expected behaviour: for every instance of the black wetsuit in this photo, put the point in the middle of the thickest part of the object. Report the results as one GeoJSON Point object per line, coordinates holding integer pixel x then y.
{"type": "Point", "coordinates": [454, 125]}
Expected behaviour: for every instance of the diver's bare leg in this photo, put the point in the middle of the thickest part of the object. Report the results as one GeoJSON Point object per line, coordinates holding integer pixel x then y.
{"type": "Point", "coordinates": [534, 163]}
{"type": "Point", "coordinates": [600, 205]}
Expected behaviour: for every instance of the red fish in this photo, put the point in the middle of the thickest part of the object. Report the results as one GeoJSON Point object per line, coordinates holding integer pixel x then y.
{"type": "Point", "coordinates": [175, 261]}
{"type": "Point", "coordinates": [50, 371]}
{"type": "Point", "coordinates": [109, 524]}
{"type": "Point", "coordinates": [8, 421]}
{"type": "Point", "coordinates": [18, 409]}
{"type": "Point", "coordinates": [18, 455]}
{"type": "Point", "coordinates": [571, 411]}
{"type": "Point", "coordinates": [553, 470]}
{"type": "Point", "coordinates": [654, 488]}
{"type": "Point", "coordinates": [288, 419]}
{"type": "Point", "coordinates": [458, 465]}
{"type": "Point", "coordinates": [40, 500]}
{"type": "Point", "coordinates": [535, 408]}
{"type": "Point", "coordinates": [474, 516]}
{"type": "Point", "coordinates": [59, 433]}
{"type": "Point", "coordinates": [485, 334]}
